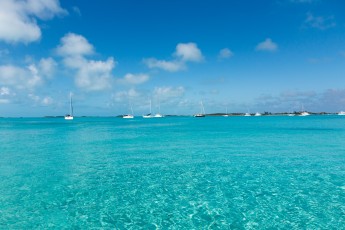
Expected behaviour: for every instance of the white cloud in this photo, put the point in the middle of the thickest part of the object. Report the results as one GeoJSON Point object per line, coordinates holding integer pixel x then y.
{"type": "Point", "coordinates": [188, 52]}
{"type": "Point", "coordinates": [91, 75]}
{"type": "Point", "coordinates": [18, 18]}
{"type": "Point", "coordinates": [35, 79]}
{"type": "Point", "coordinates": [185, 52]}
{"type": "Point", "coordinates": [47, 101]}
{"type": "Point", "coordinates": [4, 91]}
{"type": "Point", "coordinates": [171, 66]}
{"type": "Point", "coordinates": [330, 100]}
{"type": "Point", "coordinates": [74, 45]}
{"type": "Point", "coordinates": [267, 45]}
{"type": "Point", "coordinates": [19, 77]}
{"type": "Point", "coordinates": [47, 66]}
{"type": "Point", "coordinates": [28, 77]}
{"type": "Point", "coordinates": [135, 78]}
{"type": "Point", "coordinates": [125, 96]}
{"type": "Point", "coordinates": [169, 92]}
{"type": "Point", "coordinates": [95, 75]}
{"type": "Point", "coordinates": [320, 23]}
{"type": "Point", "coordinates": [42, 101]}
{"type": "Point", "coordinates": [225, 53]}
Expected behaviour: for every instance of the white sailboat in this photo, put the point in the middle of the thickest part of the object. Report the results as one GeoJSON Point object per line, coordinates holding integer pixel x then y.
{"type": "Point", "coordinates": [70, 115]}
{"type": "Point", "coordinates": [257, 114]}
{"type": "Point", "coordinates": [158, 115]}
{"type": "Point", "coordinates": [149, 115]}
{"type": "Point", "coordinates": [247, 114]}
{"type": "Point", "coordinates": [303, 112]}
{"type": "Point", "coordinates": [341, 113]}
{"type": "Point", "coordinates": [202, 111]}
{"type": "Point", "coordinates": [226, 112]}
{"type": "Point", "coordinates": [129, 116]}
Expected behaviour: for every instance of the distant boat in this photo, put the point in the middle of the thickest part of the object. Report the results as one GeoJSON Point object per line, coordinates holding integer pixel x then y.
{"type": "Point", "coordinates": [128, 116]}
{"type": "Point", "coordinates": [304, 113]}
{"type": "Point", "coordinates": [202, 111]}
{"type": "Point", "coordinates": [257, 114]}
{"type": "Point", "coordinates": [158, 115]}
{"type": "Point", "coordinates": [341, 113]}
{"type": "Point", "coordinates": [70, 115]}
{"type": "Point", "coordinates": [226, 112]}
{"type": "Point", "coordinates": [247, 115]}
{"type": "Point", "coordinates": [149, 115]}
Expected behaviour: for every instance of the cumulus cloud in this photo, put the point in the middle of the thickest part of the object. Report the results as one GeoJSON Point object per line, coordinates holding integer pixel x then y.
{"type": "Point", "coordinates": [267, 45]}
{"type": "Point", "coordinates": [330, 100]}
{"type": "Point", "coordinates": [185, 52]}
{"type": "Point", "coordinates": [188, 52]}
{"type": "Point", "coordinates": [4, 91]}
{"type": "Point", "coordinates": [135, 78]}
{"type": "Point", "coordinates": [318, 22]}
{"type": "Point", "coordinates": [42, 101]}
{"type": "Point", "coordinates": [91, 75]}
{"type": "Point", "coordinates": [20, 77]}
{"type": "Point", "coordinates": [225, 53]}
{"type": "Point", "coordinates": [95, 75]}
{"type": "Point", "coordinates": [47, 101]}
{"type": "Point", "coordinates": [28, 77]}
{"type": "Point", "coordinates": [169, 92]}
{"type": "Point", "coordinates": [171, 66]}
{"type": "Point", "coordinates": [126, 95]}
{"type": "Point", "coordinates": [47, 66]}
{"type": "Point", "coordinates": [74, 45]}
{"type": "Point", "coordinates": [18, 19]}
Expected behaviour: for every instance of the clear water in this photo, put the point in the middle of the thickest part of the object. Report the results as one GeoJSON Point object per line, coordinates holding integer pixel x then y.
{"type": "Point", "coordinates": [173, 173]}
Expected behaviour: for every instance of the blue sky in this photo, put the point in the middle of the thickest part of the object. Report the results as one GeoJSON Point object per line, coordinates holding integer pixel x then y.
{"type": "Point", "coordinates": [270, 55]}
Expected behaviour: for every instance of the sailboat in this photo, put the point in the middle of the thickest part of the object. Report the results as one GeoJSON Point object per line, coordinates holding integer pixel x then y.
{"type": "Point", "coordinates": [70, 115]}
{"type": "Point", "coordinates": [158, 115]}
{"type": "Point", "coordinates": [303, 112]}
{"type": "Point", "coordinates": [247, 114]}
{"type": "Point", "coordinates": [257, 114]}
{"type": "Point", "coordinates": [149, 115]}
{"type": "Point", "coordinates": [202, 111]}
{"type": "Point", "coordinates": [226, 112]}
{"type": "Point", "coordinates": [341, 113]}
{"type": "Point", "coordinates": [129, 116]}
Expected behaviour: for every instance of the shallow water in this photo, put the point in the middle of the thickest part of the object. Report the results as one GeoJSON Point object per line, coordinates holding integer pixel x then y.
{"type": "Point", "coordinates": [173, 173]}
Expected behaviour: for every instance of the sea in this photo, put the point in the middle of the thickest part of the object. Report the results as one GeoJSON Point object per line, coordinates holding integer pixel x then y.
{"type": "Point", "coordinates": [236, 172]}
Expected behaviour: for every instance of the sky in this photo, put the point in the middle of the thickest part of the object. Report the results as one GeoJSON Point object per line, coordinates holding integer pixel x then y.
{"type": "Point", "coordinates": [239, 56]}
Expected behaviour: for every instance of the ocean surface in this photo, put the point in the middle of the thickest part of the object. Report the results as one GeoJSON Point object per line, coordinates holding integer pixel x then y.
{"type": "Point", "coordinates": [264, 172]}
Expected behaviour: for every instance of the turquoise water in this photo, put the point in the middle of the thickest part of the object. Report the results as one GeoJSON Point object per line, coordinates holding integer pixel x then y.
{"type": "Point", "coordinates": [173, 173]}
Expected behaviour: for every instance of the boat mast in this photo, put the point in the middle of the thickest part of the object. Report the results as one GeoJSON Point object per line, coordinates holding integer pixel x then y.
{"type": "Point", "coordinates": [70, 104]}
{"type": "Point", "coordinates": [202, 108]}
{"type": "Point", "coordinates": [150, 106]}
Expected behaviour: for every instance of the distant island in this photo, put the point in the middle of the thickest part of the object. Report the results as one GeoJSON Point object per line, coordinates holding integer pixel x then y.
{"type": "Point", "coordinates": [222, 114]}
